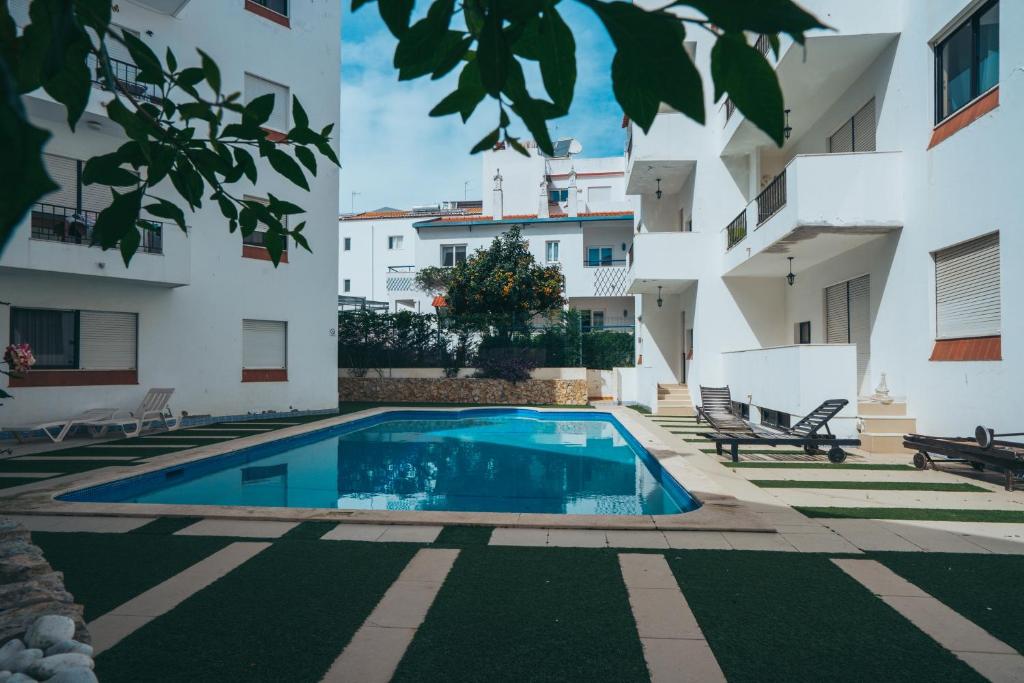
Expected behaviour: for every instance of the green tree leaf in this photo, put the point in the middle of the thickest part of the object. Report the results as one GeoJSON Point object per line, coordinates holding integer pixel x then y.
{"type": "Point", "coordinates": [488, 141]}
{"type": "Point", "coordinates": [307, 158]}
{"type": "Point", "coordinates": [299, 114]}
{"type": "Point", "coordinates": [115, 221]}
{"type": "Point", "coordinates": [493, 55]}
{"type": "Point", "coordinates": [169, 210]}
{"type": "Point", "coordinates": [259, 110]}
{"type": "Point", "coordinates": [129, 244]}
{"type": "Point", "coordinates": [742, 71]}
{"type": "Point", "coordinates": [286, 166]}
{"type": "Point", "coordinates": [108, 170]}
{"type": "Point", "coordinates": [395, 13]}
{"type": "Point", "coordinates": [557, 53]}
{"type": "Point", "coordinates": [760, 16]}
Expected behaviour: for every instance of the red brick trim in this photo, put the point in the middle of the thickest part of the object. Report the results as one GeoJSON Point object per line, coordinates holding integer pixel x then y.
{"type": "Point", "coordinates": [260, 253]}
{"type": "Point", "coordinates": [275, 135]}
{"type": "Point", "coordinates": [966, 116]}
{"type": "Point", "coordinates": [75, 378]}
{"type": "Point", "coordinates": [976, 348]}
{"type": "Point", "coordinates": [268, 14]}
{"type": "Point", "coordinates": [280, 375]}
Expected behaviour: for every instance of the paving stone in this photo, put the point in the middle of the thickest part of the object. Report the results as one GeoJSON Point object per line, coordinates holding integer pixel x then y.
{"type": "Point", "coordinates": [519, 537]}
{"type": "Point", "coordinates": [680, 661]}
{"type": "Point", "coordinates": [107, 525]}
{"type": "Point", "coordinates": [697, 540]}
{"type": "Point", "coordinates": [372, 656]}
{"type": "Point", "coordinates": [662, 613]}
{"type": "Point", "coordinates": [409, 533]}
{"type": "Point", "coordinates": [945, 626]}
{"type": "Point", "coordinates": [577, 538]}
{"type": "Point", "coordinates": [636, 539]}
{"type": "Point", "coordinates": [867, 534]}
{"type": "Point", "coordinates": [934, 540]}
{"type": "Point", "coordinates": [245, 528]}
{"type": "Point", "coordinates": [748, 540]}
{"type": "Point", "coordinates": [404, 605]}
{"type": "Point", "coordinates": [641, 570]}
{"type": "Point", "coordinates": [998, 668]}
{"type": "Point", "coordinates": [355, 532]}
{"type": "Point", "coordinates": [878, 578]}
{"type": "Point", "coordinates": [827, 542]}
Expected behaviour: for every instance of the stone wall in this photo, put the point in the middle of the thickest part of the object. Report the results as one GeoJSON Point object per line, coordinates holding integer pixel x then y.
{"type": "Point", "coordinates": [468, 390]}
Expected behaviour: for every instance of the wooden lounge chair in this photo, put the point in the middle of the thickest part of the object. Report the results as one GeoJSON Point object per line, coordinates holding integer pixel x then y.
{"type": "Point", "coordinates": [56, 430]}
{"type": "Point", "coordinates": [153, 409]}
{"type": "Point", "coordinates": [806, 433]}
{"type": "Point", "coordinates": [981, 452]}
{"type": "Point", "coordinates": [716, 401]}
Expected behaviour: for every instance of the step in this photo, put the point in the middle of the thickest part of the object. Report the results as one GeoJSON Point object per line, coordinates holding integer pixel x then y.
{"type": "Point", "coordinates": [676, 411]}
{"type": "Point", "coordinates": [873, 408]}
{"type": "Point", "coordinates": [889, 424]}
{"type": "Point", "coordinates": [674, 404]}
{"type": "Point", "coordinates": [881, 442]}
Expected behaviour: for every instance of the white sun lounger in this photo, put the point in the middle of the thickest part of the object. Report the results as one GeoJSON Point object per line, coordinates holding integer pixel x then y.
{"type": "Point", "coordinates": [152, 409]}
{"type": "Point", "coordinates": [56, 430]}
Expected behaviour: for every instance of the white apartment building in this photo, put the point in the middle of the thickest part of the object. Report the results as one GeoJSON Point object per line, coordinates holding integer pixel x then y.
{"type": "Point", "coordinates": [895, 203]}
{"type": "Point", "coordinates": [203, 313]}
{"type": "Point", "coordinates": [572, 210]}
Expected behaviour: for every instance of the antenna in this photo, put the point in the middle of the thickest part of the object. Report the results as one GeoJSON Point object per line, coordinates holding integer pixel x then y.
{"type": "Point", "coordinates": [354, 195]}
{"type": "Point", "coordinates": [465, 188]}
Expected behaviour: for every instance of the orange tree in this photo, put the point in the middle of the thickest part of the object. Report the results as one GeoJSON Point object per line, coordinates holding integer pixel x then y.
{"type": "Point", "coordinates": [500, 287]}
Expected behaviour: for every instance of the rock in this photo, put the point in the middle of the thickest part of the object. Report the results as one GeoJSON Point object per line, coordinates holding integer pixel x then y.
{"type": "Point", "coordinates": [48, 667]}
{"type": "Point", "coordinates": [5, 676]}
{"type": "Point", "coordinates": [50, 629]}
{"type": "Point", "coordinates": [20, 678]}
{"type": "Point", "coordinates": [74, 675]}
{"type": "Point", "coordinates": [17, 620]}
{"type": "Point", "coordinates": [23, 660]}
{"type": "Point", "coordinates": [63, 646]}
{"type": "Point", "coordinates": [8, 651]}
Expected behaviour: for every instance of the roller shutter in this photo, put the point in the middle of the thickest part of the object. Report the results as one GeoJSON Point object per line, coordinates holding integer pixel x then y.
{"type": "Point", "coordinates": [257, 87]}
{"type": "Point", "coordinates": [264, 344]}
{"type": "Point", "coordinates": [107, 341]}
{"type": "Point", "coordinates": [967, 289]}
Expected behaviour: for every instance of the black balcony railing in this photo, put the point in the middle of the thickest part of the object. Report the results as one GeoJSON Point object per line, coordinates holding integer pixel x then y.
{"type": "Point", "coordinates": [401, 269]}
{"type": "Point", "coordinates": [52, 223]}
{"type": "Point", "coordinates": [599, 262]}
{"type": "Point", "coordinates": [736, 230]}
{"type": "Point", "coordinates": [772, 198]}
{"type": "Point", "coordinates": [126, 77]}
{"type": "Point", "coordinates": [763, 44]}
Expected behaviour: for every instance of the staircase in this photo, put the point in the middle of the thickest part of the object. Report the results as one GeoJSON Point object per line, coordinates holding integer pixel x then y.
{"type": "Point", "coordinates": [674, 399]}
{"type": "Point", "coordinates": [883, 427]}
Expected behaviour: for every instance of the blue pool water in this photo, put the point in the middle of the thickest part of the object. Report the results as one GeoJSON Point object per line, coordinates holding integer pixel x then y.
{"type": "Point", "coordinates": [483, 460]}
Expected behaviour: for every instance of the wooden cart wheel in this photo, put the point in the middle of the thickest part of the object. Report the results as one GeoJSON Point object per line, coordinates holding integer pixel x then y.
{"type": "Point", "coordinates": [920, 460]}
{"type": "Point", "coordinates": [978, 466]}
{"type": "Point", "coordinates": [811, 450]}
{"type": "Point", "coordinates": [836, 454]}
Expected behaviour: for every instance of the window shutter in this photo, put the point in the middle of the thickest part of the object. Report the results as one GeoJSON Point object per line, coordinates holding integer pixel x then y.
{"type": "Point", "coordinates": [118, 51]}
{"type": "Point", "coordinates": [64, 172]}
{"type": "Point", "coordinates": [860, 322]}
{"type": "Point", "coordinates": [107, 341]}
{"type": "Point", "coordinates": [864, 128]}
{"type": "Point", "coordinates": [967, 292]}
{"type": "Point", "coordinates": [257, 87]}
{"type": "Point", "coordinates": [264, 344]}
{"type": "Point", "coordinates": [842, 140]}
{"type": "Point", "coordinates": [837, 315]}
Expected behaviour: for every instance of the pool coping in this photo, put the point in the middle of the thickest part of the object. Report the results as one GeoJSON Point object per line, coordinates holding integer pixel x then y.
{"type": "Point", "coordinates": [719, 510]}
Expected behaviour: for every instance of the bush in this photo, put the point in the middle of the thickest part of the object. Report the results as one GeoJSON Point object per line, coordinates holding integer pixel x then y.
{"type": "Point", "coordinates": [510, 364]}
{"type": "Point", "coordinates": [604, 350]}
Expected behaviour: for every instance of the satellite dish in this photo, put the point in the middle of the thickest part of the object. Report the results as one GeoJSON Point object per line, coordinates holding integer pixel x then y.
{"type": "Point", "coordinates": [984, 436]}
{"type": "Point", "coordinates": [575, 147]}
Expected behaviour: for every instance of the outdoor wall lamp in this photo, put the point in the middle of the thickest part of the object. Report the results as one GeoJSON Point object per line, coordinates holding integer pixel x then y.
{"type": "Point", "coordinates": [787, 130]}
{"type": "Point", "coordinates": [658, 193]}
{"type": "Point", "coordinates": [660, 301]}
{"type": "Point", "coordinates": [791, 278]}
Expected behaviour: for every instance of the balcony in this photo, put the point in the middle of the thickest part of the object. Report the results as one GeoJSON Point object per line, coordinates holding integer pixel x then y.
{"type": "Point", "coordinates": [600, 277]}
{"type": "Point", "coordinates": [168, 7]}
{"type": "Point", "coordinates": [796, 379]}
{"type": "Point", "coordinates": [670, 260]}
{"type": "Point", "coordinates": [126, 77]}
{"type": "Point", "coordinates": [59, 239]}
{"type": "Point", "coordinates": [401, 280]}
{"type": "Point", "coordinates": [820, 206]}
{"type": "Point", "coordinates": [668, 151]}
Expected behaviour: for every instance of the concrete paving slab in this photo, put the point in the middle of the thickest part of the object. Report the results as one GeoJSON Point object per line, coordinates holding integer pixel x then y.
{"type": "Point", "coordinates": [64, 523]}
{"type": "Point", "coordinates": [636, 539]}
{"type": "Point", "coordinates": [646, 571]}
{"type": "Point", "coordinates": [680, 661]}
{"type": "Point", "coordinates": [245, 528]}
{"type": "Point", "coordinates": [867, 534]}
{"type": "Point", "coordinates": [878, 578]}
{"type": "Point", "coordinates": [947, 627]}
{"type": "Point", "coordinates": [932, 540]}
{"type": "Point", "coordinates": [743, 540]}
{"type": "Point", "coordinates": [409, 533]}
{"type": "Point", "coordinates": [355, 532]}
{"type": "Point", "coordinates": [577, 538]}
{"type": "Point", "coordinates": [370, 657]}
{"type": "Point", "coordinates": [827, 542]}
{"type": "Point", "coordinates": [697, 540]}
{"type": "Point", "coordinates": [998, 668]}
{"type": "Point", "coordinates": [519, 537]}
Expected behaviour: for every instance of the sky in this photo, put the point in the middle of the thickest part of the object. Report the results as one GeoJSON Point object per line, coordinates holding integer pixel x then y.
{"type": "Point", "coordinates": [394, 154]}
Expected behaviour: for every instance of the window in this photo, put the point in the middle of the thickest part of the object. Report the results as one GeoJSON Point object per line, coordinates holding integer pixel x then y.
{"type": "Point", "coordinates": [803, 332]}
{"type": "Point", "coordinates": [279, 6]}
{"type": "Point", "coordinates": [741, 409]}
{"type": "Point", "coordinates": [585, 320]}
{"type": "Point", "coordinates": [257, 87]}
{"type": "Point", "coordinates": [551, 252]}
{"type": "Point", "coordinates": [857, 134]}
{"type": "Point", "coordinates": [264, 345]}
{"type": "Point", "coordinates": [848, 319]}
{"type": "Point", "coordinates": [774, 418]}
{"type": "Point", "coordinates": [347, 285]}
{"type": "Point", "coordinates": [558, 196]}
{"type": "Point", "coordinates": [452, 254]}
{"type": "Point", "coordinates": [967, 61]}
{"type": "Point", "coordinates": [395, 242]}
{"type": "Point", "coordinates": [599, 256]}
{"type": "Point", "coordinates": [77, 340]}
{"type": "Point", "coordinates": [348, 244]}
{"type": "Point", "coordinates": [258, 237]}
{"type": "Point", "coordinates": [967, 289]}
{"type": "Point", "coordinates": [597, 320]}
{"type": "Point", "coordinates": [601, 193]}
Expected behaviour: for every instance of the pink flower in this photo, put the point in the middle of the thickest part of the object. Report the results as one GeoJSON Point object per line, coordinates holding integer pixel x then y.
{"type": "Point", "coordinates": [19, 357]}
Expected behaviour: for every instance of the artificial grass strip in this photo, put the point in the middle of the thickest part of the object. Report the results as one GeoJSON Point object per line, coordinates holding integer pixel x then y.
{"type": "Point", "coordinates": [528, 614]}
{"type": "Point", "coordinates": [165, 526]}
{"type": "Point", "coordinates": [103, 571]}
{"type": "Point", "coordinates": [463, 536]}
{"type": "Point", "coordinates": [794, 617]}
{"type": "Point", "coordinates": [59, 466]}
{"type": "Point", "coordinates": [284, 615]}
{"type": "Point", "coordinates": [979, 587]}
{"type": "Point", "coordinates": [308, 531]}
{"type": "Point", "coordinates": [868, 485]}
{"type": "Point", "coordinates": [929, 514]}
{"type": "Point", "coordinates": [11, 482]}
{"type": "Point", "coordinates": [815, 465]}
{"type": "Point", "coordinates": [757, 451]}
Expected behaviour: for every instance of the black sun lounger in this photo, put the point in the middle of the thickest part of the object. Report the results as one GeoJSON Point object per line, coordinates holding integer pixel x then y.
{"type": "Point", "coordinates": [805, 433]}
{"type": "Point", "coordinates": [983, 451]}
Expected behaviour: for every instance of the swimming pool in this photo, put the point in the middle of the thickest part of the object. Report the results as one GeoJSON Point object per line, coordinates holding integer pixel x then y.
{"type": "Point", "coordinates": [480, 460]}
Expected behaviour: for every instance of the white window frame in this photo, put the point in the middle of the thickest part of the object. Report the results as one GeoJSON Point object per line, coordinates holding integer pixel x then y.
{"type": "Point", "coordinates": [286, 104]}
{"type": "Point", "coordinates": [396, 242]}
{"type": "Point", "coordinates": [995, 300]}
{"type": "Point", "coordinates": [549, 246]}
{"type": "Point", "coordinates": [455, 253]}
{"type": "Point", "coordinates": [284, 326]}
{"type": "Point", "coordinates": [590, 263]}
